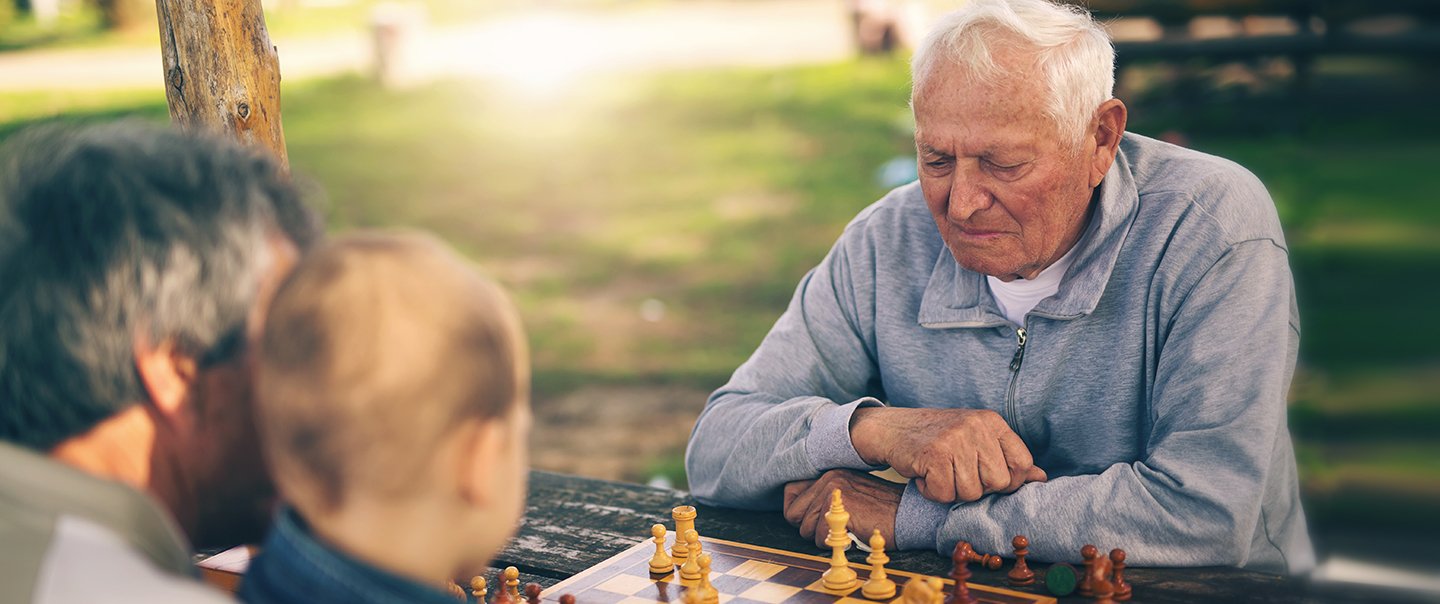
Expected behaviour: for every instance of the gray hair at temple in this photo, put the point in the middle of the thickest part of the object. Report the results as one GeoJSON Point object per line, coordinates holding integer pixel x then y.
{"type": "Point", "coordinates": [1071, 49]}
{"type": "Point", "coordinates": [114, 230]}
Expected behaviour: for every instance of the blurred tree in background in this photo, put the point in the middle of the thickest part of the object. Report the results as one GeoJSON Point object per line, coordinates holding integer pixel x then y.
{"type": "Point", "coordinates": [127, 15]}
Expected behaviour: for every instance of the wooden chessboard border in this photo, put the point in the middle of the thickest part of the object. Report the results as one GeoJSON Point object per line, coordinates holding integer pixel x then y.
{"type": "Point", "coordinates": [646, 548]}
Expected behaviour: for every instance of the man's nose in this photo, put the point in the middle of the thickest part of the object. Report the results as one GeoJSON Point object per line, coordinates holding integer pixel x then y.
{"type": "Point", "coordinates": [967, 196]}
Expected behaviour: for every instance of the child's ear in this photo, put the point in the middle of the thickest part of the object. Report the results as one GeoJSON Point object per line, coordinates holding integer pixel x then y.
{"type": "Point", "coordinates": [482, 450]}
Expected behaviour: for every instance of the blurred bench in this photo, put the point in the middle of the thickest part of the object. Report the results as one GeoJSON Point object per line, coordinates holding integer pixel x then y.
{"type": "Point", "coordinates": [1214, 30]}
{"type": "Point", "coordinates": [1232, 30]}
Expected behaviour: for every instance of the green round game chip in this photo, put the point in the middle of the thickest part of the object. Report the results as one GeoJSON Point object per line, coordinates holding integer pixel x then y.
{"type": "Point", "coordinates": [1060, 579]}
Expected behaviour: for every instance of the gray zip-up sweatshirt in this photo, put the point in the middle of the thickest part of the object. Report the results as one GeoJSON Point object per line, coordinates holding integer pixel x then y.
{"type": "Point", "coordinates": [1151, 388]}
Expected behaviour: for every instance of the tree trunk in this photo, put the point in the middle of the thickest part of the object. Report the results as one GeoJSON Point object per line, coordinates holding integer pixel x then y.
{"type": "Point", "coordinates": [221, 73]}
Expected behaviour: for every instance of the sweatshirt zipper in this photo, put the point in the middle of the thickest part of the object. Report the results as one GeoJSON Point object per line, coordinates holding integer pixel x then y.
{"type": "Point", "coordinates": [1015, 361]}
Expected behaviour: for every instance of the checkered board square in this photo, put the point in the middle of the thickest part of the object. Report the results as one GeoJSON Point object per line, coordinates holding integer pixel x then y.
{"type": "Point", "coordinates": [743, 574]}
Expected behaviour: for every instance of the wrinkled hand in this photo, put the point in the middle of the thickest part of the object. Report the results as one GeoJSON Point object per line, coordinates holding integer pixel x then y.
{"type": "Point", "coordinates": [953, 454]}
{"type": "Point", "coordinates": [872, 503]}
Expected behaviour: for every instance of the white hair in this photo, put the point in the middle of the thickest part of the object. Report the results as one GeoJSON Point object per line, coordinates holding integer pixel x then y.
{"type": "Point", "coordinates": [1071, 49]}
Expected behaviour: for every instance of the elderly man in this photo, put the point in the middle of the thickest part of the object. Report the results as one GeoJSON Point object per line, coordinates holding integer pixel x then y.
{"type": "Point", "coordinates": [1063, 330]}
{"type": "Point", "coordinates": [136, 263]}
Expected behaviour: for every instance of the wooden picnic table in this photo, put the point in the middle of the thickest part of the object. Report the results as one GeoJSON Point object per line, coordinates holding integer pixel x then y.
{"type": "Point", "coordinates": [572, 523]}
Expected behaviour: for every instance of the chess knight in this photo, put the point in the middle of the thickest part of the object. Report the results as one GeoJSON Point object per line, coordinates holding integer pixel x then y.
{"type": "Point", "coordinates": [1063, 329]}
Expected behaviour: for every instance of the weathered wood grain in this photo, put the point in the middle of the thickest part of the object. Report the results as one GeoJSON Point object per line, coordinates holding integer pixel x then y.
{"type": "Point", "coordinates": [221, 73]}
{"type": "Point", "coordinates": [573, 523]}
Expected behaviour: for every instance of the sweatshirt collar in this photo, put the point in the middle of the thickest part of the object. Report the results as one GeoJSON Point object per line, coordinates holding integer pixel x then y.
{"type": "Point", "coordinates": [955, 297]}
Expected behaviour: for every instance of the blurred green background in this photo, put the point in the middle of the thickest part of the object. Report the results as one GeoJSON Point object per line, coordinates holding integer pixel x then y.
{"type": "Point", "coordinates": [653, 223]}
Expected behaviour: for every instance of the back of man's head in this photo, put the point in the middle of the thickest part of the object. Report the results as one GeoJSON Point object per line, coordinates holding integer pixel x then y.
{"type": "Point", "coordinates": [116, 232]}
{"type": "Point", "coordinates": [377, 350]}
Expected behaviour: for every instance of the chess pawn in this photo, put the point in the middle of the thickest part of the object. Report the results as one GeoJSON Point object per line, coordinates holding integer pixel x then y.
{"type": "Point", "coordinates": [567, 599]}
{"type": "Point", "coordinates": [690, 570]}
{"type": "Point", "coordinates": [512, 583]}
{"type": "Point", "coordinates": [1100, 582]}
{"type": "Point", "coordinates": [840, 577]}
{"type": "Point", "coordinates": [532, 593]}
{"type": "Point", "coordinates": [1122, 589]}
{"type": "Point", "coordinates": [660, 563]}
{"type": "Point", "coordinates": [1021, 573]}
{"type": "Point", "coordinates": [477, 587]}
{"type": "Point", "coordinates": [707, 592]}
{"type": "Point", "coordinates": [960, 574]}
{"type": "Point", "coordinates": [684, 516]}
{"type": "Point", "coordinates": [990, 561]}
{"type": "Point", "coordinates": [878, 586]}
{"type": "Point", "coordinates": [1088, 555]}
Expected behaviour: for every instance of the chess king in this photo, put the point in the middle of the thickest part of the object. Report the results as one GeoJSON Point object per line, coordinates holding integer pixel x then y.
{"type": "Point", "coordinates": [1064, 330]}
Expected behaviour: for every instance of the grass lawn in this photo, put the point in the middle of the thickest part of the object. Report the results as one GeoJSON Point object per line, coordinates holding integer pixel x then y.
{"type": "Point", "coordinates": [654, 228]}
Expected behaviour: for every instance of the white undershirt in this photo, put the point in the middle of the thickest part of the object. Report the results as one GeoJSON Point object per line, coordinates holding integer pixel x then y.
{"type": "Point", "coordinates": [1018, 297]}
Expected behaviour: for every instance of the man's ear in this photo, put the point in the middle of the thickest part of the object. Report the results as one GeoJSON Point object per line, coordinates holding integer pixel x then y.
{"type": "Point", "coordinates": [1109, 127]}
{"type": "Point", "coordinates": [167, 374]}
{"type": "Point", "coordinates": [482, 449]}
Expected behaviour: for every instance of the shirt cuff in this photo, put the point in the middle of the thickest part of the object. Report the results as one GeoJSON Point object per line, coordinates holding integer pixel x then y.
{"type": "Point", "coordinates": [828, 444]}
{"type": "Point", "coordinates": [918, 520]}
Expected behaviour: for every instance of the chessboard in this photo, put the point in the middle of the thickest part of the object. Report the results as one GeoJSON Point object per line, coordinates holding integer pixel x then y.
{"type": "Point", "coordinates": [743, 574]}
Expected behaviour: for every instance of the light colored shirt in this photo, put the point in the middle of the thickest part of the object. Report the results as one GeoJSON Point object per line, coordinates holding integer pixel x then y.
{"type": "Point", "coordinates": [69, 537]}
{"type": "Point", "coordinates": [1018, 297]}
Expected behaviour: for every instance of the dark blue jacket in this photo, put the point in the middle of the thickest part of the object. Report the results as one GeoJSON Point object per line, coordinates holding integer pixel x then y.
{"type": "Point", "coordinates": [296, 567]}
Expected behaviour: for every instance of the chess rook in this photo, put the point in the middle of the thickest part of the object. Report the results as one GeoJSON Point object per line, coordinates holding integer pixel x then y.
{"type": "Point", "coordinates": [840, 577]}
{"type": "Point", "coordinates": [684, 516]}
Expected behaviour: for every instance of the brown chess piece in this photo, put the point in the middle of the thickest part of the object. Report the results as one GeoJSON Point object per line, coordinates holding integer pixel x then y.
{"type": "Point", "coordinates": [960, 573]}
{"type": "Point", "coordinates": [502, 596]}
{"type": "Point", "coordinates": [567, 599]}
{"type": "Point", "coordinates": [532, 593]}
{"type": "Point", "coordinates": [990, 561]}
{"type": "Point", "coordinates": [1100, 582]}
{"type": "Point", "coordinates": [1122, 589]}
{"type": "Point", "coordinates": [1021, 573]}
{"type": "Point", "coordinates": [1088, 554]}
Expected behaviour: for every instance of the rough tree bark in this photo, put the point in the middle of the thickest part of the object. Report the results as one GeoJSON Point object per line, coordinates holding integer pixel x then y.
{"type": "Point", "coordinates": [221, 73]}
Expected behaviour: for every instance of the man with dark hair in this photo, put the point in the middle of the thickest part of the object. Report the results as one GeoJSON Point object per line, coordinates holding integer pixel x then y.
{"type": "Point", "coordinates": [137, 262]}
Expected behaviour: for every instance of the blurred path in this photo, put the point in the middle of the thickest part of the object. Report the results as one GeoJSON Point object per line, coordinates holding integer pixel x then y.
{"type": "Point", "coordinates": [540, 43]}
